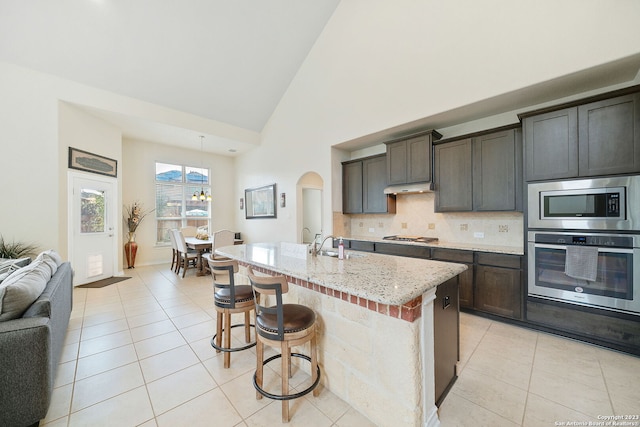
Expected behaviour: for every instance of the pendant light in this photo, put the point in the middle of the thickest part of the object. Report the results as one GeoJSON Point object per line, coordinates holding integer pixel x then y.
{"type": "Point", "coordinates": [202, 196]}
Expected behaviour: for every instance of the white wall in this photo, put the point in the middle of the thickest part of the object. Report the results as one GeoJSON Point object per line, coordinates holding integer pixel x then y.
{"type": "Point", "coordinates": [138, 172]}
{"type": "Point", "coordinates": [30, 162]}
{"type": "Point", "coordinates": [80, 130]}
{"type": "Point", "coordinates": [39, 120]}
{"type": "Point", "coordinates": [312, 214]}
{"type": "Point", "coordinates": [380, 64]}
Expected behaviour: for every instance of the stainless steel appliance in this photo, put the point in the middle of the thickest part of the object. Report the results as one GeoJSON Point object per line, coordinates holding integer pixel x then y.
{"type": "Point", "coordinates": [416, 239]}
{"type": "Point", "coordinates": [611, 203]}
{"type": "Point", "coordinates": [592, 269]}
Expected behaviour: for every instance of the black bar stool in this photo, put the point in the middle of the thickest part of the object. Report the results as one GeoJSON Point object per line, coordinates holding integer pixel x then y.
{"type": "Point", "coordinates": [282, 326]}
{"type": "Point", "coordinates": [230, 298]}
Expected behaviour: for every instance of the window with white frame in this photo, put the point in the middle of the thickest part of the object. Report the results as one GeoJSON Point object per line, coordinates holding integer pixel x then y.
{"type": "Point", "coordinates": [176, 206]}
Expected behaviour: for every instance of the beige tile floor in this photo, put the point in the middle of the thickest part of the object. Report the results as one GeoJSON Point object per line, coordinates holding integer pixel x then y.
{"type": "Point", "coordinates": [137, 354]}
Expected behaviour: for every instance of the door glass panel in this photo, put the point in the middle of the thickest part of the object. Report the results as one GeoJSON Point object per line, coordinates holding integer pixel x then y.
{"type": "Point", "coordinates": [92, 211]}
{"type": "Point", "coordinates": [614, 277]}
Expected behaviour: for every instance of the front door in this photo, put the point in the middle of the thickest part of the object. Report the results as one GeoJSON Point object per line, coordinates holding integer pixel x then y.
{"type": "Point", "coordinates": [92, 240]}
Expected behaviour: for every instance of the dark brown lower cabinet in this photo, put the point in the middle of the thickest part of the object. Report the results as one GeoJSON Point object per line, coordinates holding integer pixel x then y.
{"type": "Point", "coordinates": [498, 291]}
{"type": "Point", "coordinates": [412, 251]}
{"type": "Point", "coordinates": [465, 279]}
{"type": "Point", "coordinates": [360, 245]}
{"type": "Point", "coordinates": [492, 282]}
{"type": "Point", "coordinates": [446, 337]}
{"type": "Point", "coordinates": [498, 284]}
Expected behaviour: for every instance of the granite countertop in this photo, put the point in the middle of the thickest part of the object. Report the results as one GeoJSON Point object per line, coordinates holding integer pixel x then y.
{"type": "Point", "coordinates": [385, 279]}
{"type": "Point", "coordinates": [510, 250]}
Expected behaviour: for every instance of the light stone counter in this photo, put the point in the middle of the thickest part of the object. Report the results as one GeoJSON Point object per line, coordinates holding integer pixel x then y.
{"type": "Point", "coordinates": [375, 324]}
{"type": "Point", "coordinates": [385, 279]}
{"type": "Point", "coordinates": [475, 246]}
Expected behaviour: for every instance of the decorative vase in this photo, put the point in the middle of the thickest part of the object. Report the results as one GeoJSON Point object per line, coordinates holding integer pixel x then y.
{"type": "Point", "coordinates": [130, 250]}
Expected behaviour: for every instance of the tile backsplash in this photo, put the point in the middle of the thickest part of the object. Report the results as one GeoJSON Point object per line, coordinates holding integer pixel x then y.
{"type": "Point", "coordinates": [415, 216]}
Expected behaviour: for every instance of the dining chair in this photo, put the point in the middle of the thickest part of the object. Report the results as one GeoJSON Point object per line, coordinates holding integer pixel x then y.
{"type": "Point", "coordinates": [175, 257]}
{"type": "Point", "coordinates": [189, 231]}
{"type": "Point", "coordinates": [221, 238]}
{"type": "Point", "coordinates": [185, 255]}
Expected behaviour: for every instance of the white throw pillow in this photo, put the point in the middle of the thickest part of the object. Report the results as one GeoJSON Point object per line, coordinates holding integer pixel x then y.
{"type": "Point", "coordinates": [52, 258]}
{"type": "Point", "coordinates": [10, 265]}
{"type": "Point", "coordinates": [22, 288]}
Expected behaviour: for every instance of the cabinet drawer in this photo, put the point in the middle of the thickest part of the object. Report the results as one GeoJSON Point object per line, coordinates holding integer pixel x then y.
{"type": "Point", "coordinates": [499, 260]}
{"type": "Point", "coordinates": [360, 245]}
{"type": "Point", "coordinates": [346, 242]}
{"type": "Point", "coordinates": [452, 255]}
{"type": "Point", "coordinates": [403, 250]}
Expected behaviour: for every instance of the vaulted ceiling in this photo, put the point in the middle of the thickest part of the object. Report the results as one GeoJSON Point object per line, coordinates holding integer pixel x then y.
{"type": "Point", "coordinates": [228, 61]}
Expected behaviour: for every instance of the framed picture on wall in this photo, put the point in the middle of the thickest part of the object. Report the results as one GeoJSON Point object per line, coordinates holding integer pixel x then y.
{"type": "Point", "coordinates": [260, 202]}
{"type": "Point", "coordinates": [94, 163]}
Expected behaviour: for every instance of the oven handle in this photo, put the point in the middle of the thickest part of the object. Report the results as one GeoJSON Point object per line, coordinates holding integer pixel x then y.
{"type": "Point", "coordinates": [600, 248]}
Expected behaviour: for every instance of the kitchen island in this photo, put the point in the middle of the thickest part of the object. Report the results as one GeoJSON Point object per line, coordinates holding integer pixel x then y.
{"type": "Point", "coordinates": [376, 330]}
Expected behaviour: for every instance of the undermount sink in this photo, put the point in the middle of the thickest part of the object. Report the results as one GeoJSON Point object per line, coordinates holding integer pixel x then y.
{"type": "Point", "coordinates": [329, 253]}
{"type": "Point", "coordinates": [347, 255]}
{"type": "Point", "coordinates": [350, 255]}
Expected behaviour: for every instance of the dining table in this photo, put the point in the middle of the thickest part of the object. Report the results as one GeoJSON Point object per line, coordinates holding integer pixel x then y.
{"type": "Point", "coordinates": [201, 246]}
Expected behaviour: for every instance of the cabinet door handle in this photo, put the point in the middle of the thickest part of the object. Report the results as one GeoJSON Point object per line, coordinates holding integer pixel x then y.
{"type": "Point", "coordinates": [446, 302]}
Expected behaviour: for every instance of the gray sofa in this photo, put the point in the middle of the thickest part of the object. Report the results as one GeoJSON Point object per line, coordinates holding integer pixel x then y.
{"type": "Point", "coordinates": [30, 350]}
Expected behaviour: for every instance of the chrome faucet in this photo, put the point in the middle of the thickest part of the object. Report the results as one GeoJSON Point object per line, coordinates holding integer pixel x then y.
{"type": "Point", "coordinates": [316, 249]}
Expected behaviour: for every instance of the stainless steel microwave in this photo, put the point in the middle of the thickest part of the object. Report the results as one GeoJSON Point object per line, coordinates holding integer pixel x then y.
{"type": "Point", "coordinates": [611, 203]}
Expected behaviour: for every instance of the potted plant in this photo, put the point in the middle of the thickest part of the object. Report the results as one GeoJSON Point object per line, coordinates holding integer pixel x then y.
{"type": "Point", "coordinates": [15, 250]}
{"type": "Point", "coordinates": [134, 214]}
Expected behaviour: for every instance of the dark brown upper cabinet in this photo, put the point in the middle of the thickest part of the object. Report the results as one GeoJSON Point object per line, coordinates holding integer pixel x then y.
{"type": "Point", "coordinates": [601, 137]}
{"type": "Point", "coordinates": [609, 136]}
{"type": "Point", "coordinates": [363, 184]}
{"type": "Point", "coordinates": [481, 172]}
{"type": "Point", "coordinates": [497, 171]}
{"type": "Point", "coordinates": [409, 158]}
{"type": "Point", "coordinates": [352, 187]}
{"type": "Point", "coordinates": [453, 176]}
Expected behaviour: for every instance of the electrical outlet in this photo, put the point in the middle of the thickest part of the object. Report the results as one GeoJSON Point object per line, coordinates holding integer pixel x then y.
{"type": "Point", "coordinates": [503, 228]}
{"type": "Point", "coordinates": [478, 235]}
{"type": "Point", "coordinates": [464, 227]}
{"type": "Point", "coordinates": [432, 226]}
{"type": "Point", "coordinates": [372, 230]}
{"type": "Point", "coordinates": [404, 225]}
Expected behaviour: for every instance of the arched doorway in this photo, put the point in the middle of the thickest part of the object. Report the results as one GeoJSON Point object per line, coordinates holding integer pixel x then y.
{"type": "Point", "coordinates": [309, 212]}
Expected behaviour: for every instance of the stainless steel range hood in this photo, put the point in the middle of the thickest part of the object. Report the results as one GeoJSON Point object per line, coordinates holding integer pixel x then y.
{"type": "Point", "coordinates": [418, 187]}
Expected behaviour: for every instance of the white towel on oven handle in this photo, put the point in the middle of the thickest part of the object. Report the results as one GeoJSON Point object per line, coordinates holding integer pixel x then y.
{"type": "Point", "coordinates": [581, 262]}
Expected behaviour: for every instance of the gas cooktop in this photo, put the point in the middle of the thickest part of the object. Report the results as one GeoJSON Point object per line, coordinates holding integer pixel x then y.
{"type": "Point", "coordinates": [417, 239]}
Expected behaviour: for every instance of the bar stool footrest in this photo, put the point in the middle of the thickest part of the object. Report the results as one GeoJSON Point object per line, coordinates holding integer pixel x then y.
{"type": "Point", "coordinates": [287, 396]}
{"type": "Point", "coordinates": [225, 349]}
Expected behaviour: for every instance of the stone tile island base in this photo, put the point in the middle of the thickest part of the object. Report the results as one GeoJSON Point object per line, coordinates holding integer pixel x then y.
{"type": "Point", "coordinates": [378, 358]}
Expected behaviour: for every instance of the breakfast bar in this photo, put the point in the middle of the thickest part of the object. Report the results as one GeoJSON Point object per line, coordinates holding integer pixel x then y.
{"type": "Point", "coordinates": [376, 326]}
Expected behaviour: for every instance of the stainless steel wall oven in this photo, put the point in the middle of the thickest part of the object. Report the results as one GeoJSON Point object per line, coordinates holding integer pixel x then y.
{"type": "Point", "coordinates": [584, 242]}
{"type": "Point", "coordinates": [591, 269]}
